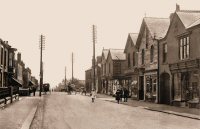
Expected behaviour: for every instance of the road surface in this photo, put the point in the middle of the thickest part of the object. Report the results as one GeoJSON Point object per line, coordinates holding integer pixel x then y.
{"type": "Point", "coordinates": [62, 111]}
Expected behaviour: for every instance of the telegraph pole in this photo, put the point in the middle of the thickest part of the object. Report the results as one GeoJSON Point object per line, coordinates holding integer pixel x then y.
{"type": "Point", "coordinates": [72, 67]}
{"type": "Point", "coordinates": [94, 41]}
{"type": "Point", "coordinates": [65, 78]}
{"type": "Point", "coordinates": [42, 46]}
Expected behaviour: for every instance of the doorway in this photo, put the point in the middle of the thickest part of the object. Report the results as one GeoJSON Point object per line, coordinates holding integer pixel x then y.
{"type": "Point", "coordinates": [141, 87]}
{"type": "Point", "coordinates": [165, 88]}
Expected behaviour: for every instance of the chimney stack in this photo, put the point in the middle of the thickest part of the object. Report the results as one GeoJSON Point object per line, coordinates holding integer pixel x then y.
{"type": "Point", "coordinates": [177, 7]}
{"type": "Point", "coordinates": [19, 56]}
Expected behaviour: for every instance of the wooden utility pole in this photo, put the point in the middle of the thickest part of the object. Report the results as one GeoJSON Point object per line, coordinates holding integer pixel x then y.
{"type": "Point", "coordinates": [94, 41]}
{"type": "Point", "coordinates": [65, 78]}
{"type": "Point", "coordinates": [72, 67]}
{"type": "Point", "coordinates": [42, 46]}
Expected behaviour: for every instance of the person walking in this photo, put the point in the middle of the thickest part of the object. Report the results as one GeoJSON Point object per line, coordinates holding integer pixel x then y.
{"type": "Point", "coordinates": [117, 97]}
{"type": "Point", "coordinates": [126, 94]}
{"type": "Point", "coordinates": [121, 94]}
{"type": "Point", "coordinates": [93, 95]}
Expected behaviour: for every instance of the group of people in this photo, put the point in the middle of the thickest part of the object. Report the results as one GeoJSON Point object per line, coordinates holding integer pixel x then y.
{"type": "Point", "coordinates": [122, 93]}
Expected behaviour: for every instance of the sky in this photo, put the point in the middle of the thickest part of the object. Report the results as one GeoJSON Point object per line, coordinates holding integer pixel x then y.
{"type": "Point", "coordinates": [67, 26]}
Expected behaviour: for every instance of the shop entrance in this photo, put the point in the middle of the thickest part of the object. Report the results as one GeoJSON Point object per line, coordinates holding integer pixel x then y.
{"type": "Point", "coordinates": [141, 87]}
{"type": "Point", "coordinates": [165, 88]}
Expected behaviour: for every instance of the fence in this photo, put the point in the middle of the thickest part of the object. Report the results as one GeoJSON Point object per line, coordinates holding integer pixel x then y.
{"type": "Point", "coordinates": [7, 93]}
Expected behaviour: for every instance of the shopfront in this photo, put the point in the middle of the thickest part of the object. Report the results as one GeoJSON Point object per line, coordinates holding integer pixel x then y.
{"type": "Point", "coordinates": [185, 83]}
{"type": "Point", "coordinates": [150, 87]}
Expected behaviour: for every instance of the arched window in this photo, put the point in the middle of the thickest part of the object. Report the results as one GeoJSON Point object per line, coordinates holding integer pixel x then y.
{"type": "Point", "coordinates": [133, 58]}
{"type": "Point", "coordinates": [142, 56]}
{"type": "Point", "coordinates": [129, 62]}
{"type": "Point", "coordinates": [152, 53]}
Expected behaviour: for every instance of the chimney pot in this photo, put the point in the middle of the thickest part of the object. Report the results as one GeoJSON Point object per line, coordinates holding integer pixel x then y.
{"type": "Point", "coordinates": [177, 7]}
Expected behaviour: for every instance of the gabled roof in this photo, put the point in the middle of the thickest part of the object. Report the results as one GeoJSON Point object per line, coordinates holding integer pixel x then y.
{"type": "Point", "coordinates": [133, 37]}
{"type": "Point", "coordinates": [117, 54]}
{"type": "Point", "coordinates": [98, 59]}
{"type": "Point", "coordinates": [189, 18]}
{"type": "Point", "coordinates": [157, 26]}
{"type": "Point", "coordinates": [194, 24]}
{"type": "Point", "coordinates": [105, 53]}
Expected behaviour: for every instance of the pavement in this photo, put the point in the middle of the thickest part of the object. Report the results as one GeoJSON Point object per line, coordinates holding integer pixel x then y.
{"type": "Point", "coordinates": [192, 113]}
{"type": "Point", "coordinates": [19, 114]}
{"type": "Point", "coordinates": [63, 111]}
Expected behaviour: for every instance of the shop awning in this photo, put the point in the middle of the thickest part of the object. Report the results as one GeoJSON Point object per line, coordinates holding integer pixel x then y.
{"type": "Point", "coordinates": [31, 83]}
{"type": "Point", "coordinates": [15, 82]}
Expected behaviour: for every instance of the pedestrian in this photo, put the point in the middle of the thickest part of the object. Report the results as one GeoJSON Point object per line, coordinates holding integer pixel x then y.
{"type": "Point", "coordinates": [126, 94]}
{"type": "Point", "coordinates": [121, 94]}
{"type": "Point", "coordinates": [93, 95]}
{"type": "Point", "coordinates": [117, 97]}
{"type": "Point", "coordinates": [34, 90]}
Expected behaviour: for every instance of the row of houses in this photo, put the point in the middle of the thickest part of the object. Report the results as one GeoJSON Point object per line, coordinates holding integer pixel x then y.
{"type": "Point", "coordinates": [160, 64]}
{"type": "Point", "coordinates": [13, 72]}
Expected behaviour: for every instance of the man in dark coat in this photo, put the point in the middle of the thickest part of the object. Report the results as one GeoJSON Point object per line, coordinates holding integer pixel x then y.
{"type": "Point", "coordinates": [118, 95]}
{"type": "Point", "coordinates": [126, 94]}
{"type": "Point", "coordinates": [121, 94]}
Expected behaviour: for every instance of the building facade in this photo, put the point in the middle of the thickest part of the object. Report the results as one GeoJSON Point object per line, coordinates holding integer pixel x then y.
{"type": "Point", "coordinates": [19, 67]}
{"type": "Point", "coordinates": [104, 78]}
{"type": "Point", "coordinates": [131, 70]}
{"type": "Point", "coordinates": [180, 59]}
{"type": "Point", "coordinates": [115, 66]}
{"type": "Point", "coordinates": [151, 30]}
{"type": "Point", "coordinates": [88, 80]}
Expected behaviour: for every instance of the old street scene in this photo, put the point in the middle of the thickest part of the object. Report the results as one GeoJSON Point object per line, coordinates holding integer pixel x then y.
{"type": "Point", "coordinates": [72, 64]}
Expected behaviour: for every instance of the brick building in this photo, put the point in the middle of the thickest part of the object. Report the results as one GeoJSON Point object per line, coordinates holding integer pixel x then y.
{"type": "Point", "coordinates": [7, 54]}
{"type": "Point", "coordinates": [151, 30]}
{"type": "Point", "coordinates": [19, 67]}
{"type": "Point", "coordinates": [131, 71]}
{"type": "Point", "coordinates": [88, 80]}
{"type": "Point", "coordinates": [180, 59]}
{"type": "Point", "coordinates": [115, 66]}
{"type": "Point", "coordinates": [104, 78]}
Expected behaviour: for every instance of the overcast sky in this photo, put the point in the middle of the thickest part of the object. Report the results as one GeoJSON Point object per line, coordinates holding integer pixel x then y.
{"type": "Point", "coordinates": [67, 25]}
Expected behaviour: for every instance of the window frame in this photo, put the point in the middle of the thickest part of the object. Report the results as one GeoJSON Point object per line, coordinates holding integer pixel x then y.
{"type": "Point", "coordinates": [184, 47]}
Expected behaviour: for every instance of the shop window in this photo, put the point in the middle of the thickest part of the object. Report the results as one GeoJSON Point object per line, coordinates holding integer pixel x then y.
{"type": "Point", "coordinates": [195, 90]}
{"type": "Point", "coordinates": [154, 86]}
{"type": "Point", "coordinates": [185, 86]}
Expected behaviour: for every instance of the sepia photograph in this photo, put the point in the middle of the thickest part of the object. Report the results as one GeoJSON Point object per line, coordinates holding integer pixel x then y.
{"type": "Point", "coordinates": [100, 64]}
